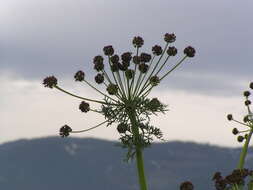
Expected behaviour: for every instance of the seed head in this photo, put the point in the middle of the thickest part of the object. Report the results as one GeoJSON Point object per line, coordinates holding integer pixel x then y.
{"type": "Point", "coordinates": [217, 176]}
{"type": "Point", "coordinates": [187, 185]}
{"type": "Point", "coordinates": [65, 130]}
{"type": "Point", "coordinates": [138, 41]}
{"type": "Point", "coordinates": [172, 51]}
{"type": "Point", "coordinates": [230, 117]}
{"type": "Point", "coordinates": [145, 57]}
{"type": "Point", "coordinates": [98, 59]}
{"type": "Point", "coordinates": [124, 66]}
{"type": "Point", "coordinates": [129, 73]}
{"type": "Point", "coordinates": [99, 78]}
{"type": "Point", "coordinates": [235, 131]}
{"type": "Point", "coordinates": [84, 106]}
{"type": "Point", "coordinates": [114, 59]}
{"type": "Point", "coordinates": [154, 80]}
{"type": "Point", "coordinates": [240, 138]}
{"type": "Point", "coordinates": [122, 128]}
{"type": "Point", "coordinates": [169, 38]}
{"type": "Point", "coordinates": [79, 76]}
{"type": "Point", "coordinates": [136, 59]}
{"type": "Point", "coordinates": [115, 67]}
{"type": "Point", "coordinates": [189, 51]}
{"type": "Point", "coordinates": [246, 119]}
{"type": "Point", "coordinates": [108, 50]}
{"type": "Point", "coordinates": [246, 93]}
{"type": "Point", "coordinates": [50, 81]}
{"type": "Point", "coordinates": [143, 67]}
{"type": "Point", "coordinates": [126, 57]}
{"type": "Point", "coordinates": [99, 66]}
{"type": "Point", "coordinates": [247, 102]}
{"type": "Point", "coordinates": [157, 50]}
{"type": "Point", "coordinates": [251, 85]}
{"type": "Point", "coordinates": [112, 89]}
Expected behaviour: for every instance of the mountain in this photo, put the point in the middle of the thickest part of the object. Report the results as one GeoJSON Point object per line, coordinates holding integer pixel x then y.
{"type": "Point", "coordinates": [55, 163]}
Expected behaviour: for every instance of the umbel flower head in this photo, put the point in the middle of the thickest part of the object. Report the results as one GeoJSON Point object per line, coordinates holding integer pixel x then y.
{"type": "Point", "coordinates": [236, 178]}
{"type": "Point", "coordinates": [127, 80]}
{"type": "Point", "coordinates": [247, 120]}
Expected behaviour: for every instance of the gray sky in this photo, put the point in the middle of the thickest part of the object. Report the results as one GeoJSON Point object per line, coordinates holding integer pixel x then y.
{"type": "Point", "coordinates": [40, 38]}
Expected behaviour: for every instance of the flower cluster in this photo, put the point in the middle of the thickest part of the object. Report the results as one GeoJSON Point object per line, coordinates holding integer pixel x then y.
{"type": "Point", "coordinates": [130, 79]}
{"type": "Point", "coordinates": [247, 119]}
{"type": "Point", "coordinates": [235, 179]}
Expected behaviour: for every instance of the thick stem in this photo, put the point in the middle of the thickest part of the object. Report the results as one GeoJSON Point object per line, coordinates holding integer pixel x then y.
{"type": "Point", "coordinates": [139, 157]}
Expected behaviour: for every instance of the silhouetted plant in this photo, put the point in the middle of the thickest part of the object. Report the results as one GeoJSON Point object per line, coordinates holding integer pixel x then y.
{"type": "Point", "coordinates": [129, 82]}
{"type": "Point", "coordinates": [236, 180]}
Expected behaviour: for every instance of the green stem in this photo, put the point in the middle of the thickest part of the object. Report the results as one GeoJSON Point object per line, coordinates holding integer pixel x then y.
{"type": "Point", "coordinates": [244, 150]}
{"type": "Point", "coordinates": [84, 130]}
{"type": "Point", "coordinates": [57, 87]}
{"type": "Point", "coordinates": [139, 157]}
{"type": "Point", "coordinates": [99, 91]}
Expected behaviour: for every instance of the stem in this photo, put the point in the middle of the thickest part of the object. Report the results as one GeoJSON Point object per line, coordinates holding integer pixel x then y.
{"type": "Point", "coordinates": [57, 87]}
{"type": "Point", "coordinates": [99, 91]}
{"type": "Point", "coordinates": [174, 67]}
{"type": "Point", "coordinates": [139, 157]}
{"type": "Point", "coordinates": [89, 128]}
{"type": "Point", "coordinates": [244, 150]}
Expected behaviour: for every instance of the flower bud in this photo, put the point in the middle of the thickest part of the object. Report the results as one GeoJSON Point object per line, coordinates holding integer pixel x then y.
{"type": "Point", "coordinates": [64, 131]}
{"type": "Point", "coordinates": [124, 66]}
{"type": "Point", "coordinates": [235, 131]}
{"type": "Point", "coordinates": [108, 50]}
{"type": "Point", "coordinates": [189, 51]}
{"type": "Point", "coordinates": [114, 59]}
{"type": "Point", "coordinates": [172, 51]}
{"type": "Point", "coordinates": [251, 85]}
{"type": "Point", "coordinates": [122, 128]}
{"type": "Point", "coordinates": [154, 80]}
{"type": "Point", "coordinates": [240, 138]}
{"type": "Point", "coordinates": [126, 57]}
{"type": "Point", "coordinates": [112, 89]}
{"type": "Point", "coordinates": [98, 59]}
{"type": "Point", "coordinates": [84, 106]}
{"type": "Point", "coordinates": [50, 82]}
{"type": "Point", "coordinates": [169, 38]}
{"type": "Point", "coordinates": [143, 67]}
{"type": "Point", "coordinates": [99, 78]}
{"type": "Point", "coordinates": [136, 59]}
{"type": "Point", "coordinates": [246, 119]}
{"type": "Point", "coordinates": [99, 66]}
{"type": "Point", "coordinates": [246, 93]}
{"type": "Point", "coordinates": [115, 67]}
{"type": "Point", "coordinates": [145, 57]}
{"type": "Point", "coordinates": [230, 117]}
{"type": "Point", "coordinates": [247, 102]}
{"type": "Point", "coordinates": [157, 50]}
{"type": "Point", "coordinates": [129, 73]}
{"type": "Point", "coordinates": [187, 185]}
{"type": "Point", "coordinates": [79, 76]}
{"type": "Point", "coordinates": [138, 41]}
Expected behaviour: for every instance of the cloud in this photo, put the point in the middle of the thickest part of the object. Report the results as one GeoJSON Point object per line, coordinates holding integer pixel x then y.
{"type": "Point", "coordinates": [29, 110]}
{"type": "Point", "coordinates": [62, 36]}
{"type": "Point", "coordinates": [42, 38]}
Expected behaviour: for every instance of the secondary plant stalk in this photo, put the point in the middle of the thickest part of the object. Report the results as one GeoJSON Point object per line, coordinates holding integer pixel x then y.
{"type": "Point", "coordinates": [244, 151]}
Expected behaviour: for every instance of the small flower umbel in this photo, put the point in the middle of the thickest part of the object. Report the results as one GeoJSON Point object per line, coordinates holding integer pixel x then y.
{"type": "Point", "coordinates": [236, 179]}
{"type": "Point", "coordinates": [247, 120]}
{"type": "Point", "coordinates": [127, 80]}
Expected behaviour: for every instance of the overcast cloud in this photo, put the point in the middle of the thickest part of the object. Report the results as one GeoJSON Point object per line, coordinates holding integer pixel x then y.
{"type": "Point", "coordinates": [44, 37]}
